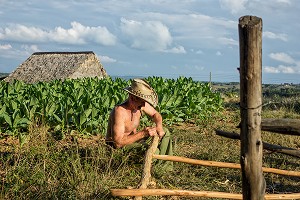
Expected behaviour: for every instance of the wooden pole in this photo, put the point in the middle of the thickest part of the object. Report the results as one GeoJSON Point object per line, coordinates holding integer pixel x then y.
{"type": "Point", "coordinates": [268, 146]}
{"type": "Point", "coordinates": [223, 164]}
{"type": "Point", "coordinates": [188, 193]}
{"type": "Point", "coordinates": [146, 175]}
{"type": "Point", "coordinates": [250, 39]}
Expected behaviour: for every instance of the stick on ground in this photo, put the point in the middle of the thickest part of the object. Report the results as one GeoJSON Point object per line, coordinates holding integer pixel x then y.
{"type": "Point", "coordinates": [146, 175]}
{"type": "Point", "coordinates": [188, 193]}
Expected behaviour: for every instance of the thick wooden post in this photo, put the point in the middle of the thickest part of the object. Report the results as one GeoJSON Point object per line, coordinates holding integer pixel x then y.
{"type": "Point", "coordinates": [250, 37]}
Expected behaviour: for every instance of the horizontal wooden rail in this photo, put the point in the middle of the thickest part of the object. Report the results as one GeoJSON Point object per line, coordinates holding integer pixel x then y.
{"type": "Point", "coordinates": [283, 126]}
{"type": "Point", "coordinates": [187, 193]}
{"type": "Point", "coordinates": [268, 146]}
{"type": "Point", "coordinates": [222, 164]}
{"type": "Point", "coordinates": [167, 192]}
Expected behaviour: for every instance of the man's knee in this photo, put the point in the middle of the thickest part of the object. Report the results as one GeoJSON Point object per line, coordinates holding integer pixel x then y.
{"type": "Point", "coordinates": [167, 132]}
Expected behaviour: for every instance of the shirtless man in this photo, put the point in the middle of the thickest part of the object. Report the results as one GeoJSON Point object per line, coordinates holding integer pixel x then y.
{"type": "Point", "coordinates": [124, 119]}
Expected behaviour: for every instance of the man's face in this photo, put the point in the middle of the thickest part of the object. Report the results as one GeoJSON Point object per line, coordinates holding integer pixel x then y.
{"type": "Point", "coordinates": [139, 102]}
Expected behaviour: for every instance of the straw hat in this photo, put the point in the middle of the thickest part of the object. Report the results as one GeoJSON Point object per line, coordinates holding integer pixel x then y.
{"type": "Point", "coordinates": [142, 89]}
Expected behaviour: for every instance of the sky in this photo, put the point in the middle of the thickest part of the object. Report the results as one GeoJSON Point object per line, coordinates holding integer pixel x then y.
{"type": "Point", "coordinates": [167, 38]}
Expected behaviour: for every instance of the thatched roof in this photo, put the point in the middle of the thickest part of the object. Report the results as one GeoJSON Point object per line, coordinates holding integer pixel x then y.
{"type": "Point", "coordinates": [47, 66]}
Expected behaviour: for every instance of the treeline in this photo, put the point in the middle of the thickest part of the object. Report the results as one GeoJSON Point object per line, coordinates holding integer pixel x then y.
{"type": "Point", "coordinates": [281, 90]}
{"type": "Point", "coordinates": [268, 90]}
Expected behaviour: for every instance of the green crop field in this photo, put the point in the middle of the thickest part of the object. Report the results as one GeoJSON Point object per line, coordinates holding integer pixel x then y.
{"type": "Point", "coordinates": [83, 105]}
{"type": "Point", "coordinates": [52, 139]}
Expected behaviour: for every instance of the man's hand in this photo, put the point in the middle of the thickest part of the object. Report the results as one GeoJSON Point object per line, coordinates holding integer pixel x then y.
{"type": "Point", "coordinates": [150, 131]}
{"type": "Point", "coordinates": [160, 132]}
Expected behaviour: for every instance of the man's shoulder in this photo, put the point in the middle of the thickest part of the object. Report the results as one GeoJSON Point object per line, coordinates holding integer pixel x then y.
{"type": "Point", "coordinates": [119, 113]}
{"type": "Point", "coordinates": [119, 110]}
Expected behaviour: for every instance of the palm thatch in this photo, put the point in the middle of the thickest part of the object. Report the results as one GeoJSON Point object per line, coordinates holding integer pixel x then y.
{"type": "Point", "coordinates": [47, 66]}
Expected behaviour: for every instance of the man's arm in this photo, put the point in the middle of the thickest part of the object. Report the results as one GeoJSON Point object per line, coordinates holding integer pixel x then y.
{"type": "Point", "coordinates": [156, 117]}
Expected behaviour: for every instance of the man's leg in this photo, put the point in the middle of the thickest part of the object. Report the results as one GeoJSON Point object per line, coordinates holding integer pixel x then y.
{"type": "Point", "coordinates": [165, 148]}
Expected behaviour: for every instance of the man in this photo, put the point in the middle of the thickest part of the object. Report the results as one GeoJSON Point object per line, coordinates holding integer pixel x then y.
{"type": "Point", "coordinates": [124, 119]}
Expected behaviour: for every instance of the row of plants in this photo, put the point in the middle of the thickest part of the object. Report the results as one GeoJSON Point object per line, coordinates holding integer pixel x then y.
{"type": "Point", "coordinates": [84, 104]}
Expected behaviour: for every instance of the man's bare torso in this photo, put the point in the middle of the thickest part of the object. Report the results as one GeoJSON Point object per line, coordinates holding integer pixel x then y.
{"type": "Point", "coordinates": [130, 119]}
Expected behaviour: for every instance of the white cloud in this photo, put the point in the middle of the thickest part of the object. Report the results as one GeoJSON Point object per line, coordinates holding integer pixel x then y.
{"type": "Point", "coordinates": [235, 6]}
{"type": "Point", "coordinates": [30, 48]}
{"type": "Point", "coordinates": [283, 57]}
{"type": "Point", "coordinates": [228, 41]}
{"type": "Point", "coordinates": [147, 35]}
{"type": "Point", "coordinates": [287, 69]}
{"type": "Point", "coordinates": [5, 46]}
{"type": "Point", "coordinates": [218, 53]}
{"type": "Point", "coordinates": [259, 7]}
{"type": "Point", "coordinates": [270, 35]}
{"type": "Point", "coordinates": [293, 66]}
{"type": "Point", "coordinates": [282, 69]}
{"type": "Point", "coordinates": [106, 59]}
{"type": "Point", "coordinates": [18, 53]}
{"type": "Point", "coordinates": [272, 70]}
{"type": "Point", "coordinates": [196, 30]}
{"type": "Point", "coordinates": [287, 2]}
{"type": "Point", "coordinates": [80, 34]}
{"type": "Point", "coordinates": [22, 33]}
{"type": "Point", "coordinates": [178, 49]}
{"type": "Point", "coordinates": [77, 34]}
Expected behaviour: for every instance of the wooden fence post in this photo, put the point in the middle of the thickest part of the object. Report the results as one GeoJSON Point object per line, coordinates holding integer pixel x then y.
{"type": "Point", "coordinates": [250, 39]}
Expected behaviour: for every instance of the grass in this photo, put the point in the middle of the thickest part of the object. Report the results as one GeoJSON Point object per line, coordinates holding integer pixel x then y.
{"type": "Point", "coordinates": [78, 167]}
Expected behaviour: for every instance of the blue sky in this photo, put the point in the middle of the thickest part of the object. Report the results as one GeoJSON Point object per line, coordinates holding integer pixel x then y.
{"type": "Point", "coordinates": [167, 38]}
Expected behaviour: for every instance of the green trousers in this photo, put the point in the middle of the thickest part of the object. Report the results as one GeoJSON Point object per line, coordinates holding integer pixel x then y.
{"type": "Point", "coordinates": [165, 147]}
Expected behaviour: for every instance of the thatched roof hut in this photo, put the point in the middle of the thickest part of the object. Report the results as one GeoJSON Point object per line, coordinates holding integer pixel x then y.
{"type": "Point", "coordinates": [47, 66]}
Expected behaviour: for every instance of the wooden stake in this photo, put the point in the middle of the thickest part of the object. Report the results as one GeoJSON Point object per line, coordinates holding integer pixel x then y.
{"type": "Point", "coordinates": [146, 175]}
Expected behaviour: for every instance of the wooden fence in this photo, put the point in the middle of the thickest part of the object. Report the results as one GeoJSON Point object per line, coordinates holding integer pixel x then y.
{"type": "Point", "coordinates": [146, 177]}
{"type": "Point", "coordinates": [250, 34]}
{"type": "Point", "coordinates": [282, 126]}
